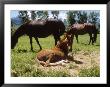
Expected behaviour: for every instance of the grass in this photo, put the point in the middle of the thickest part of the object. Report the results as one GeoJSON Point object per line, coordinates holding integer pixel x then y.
{"type": "Point", "coordinates": [23, 59]}
{"type": "Point", "coordinates": [94, 71]}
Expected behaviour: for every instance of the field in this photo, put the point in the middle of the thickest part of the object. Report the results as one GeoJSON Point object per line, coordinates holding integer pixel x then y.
{"type": "Point", "coordinates": [86, 59]}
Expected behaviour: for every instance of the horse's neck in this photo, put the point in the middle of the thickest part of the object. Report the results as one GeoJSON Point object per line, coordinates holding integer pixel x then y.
{"type": "Point", "coordinates": [19, 32]}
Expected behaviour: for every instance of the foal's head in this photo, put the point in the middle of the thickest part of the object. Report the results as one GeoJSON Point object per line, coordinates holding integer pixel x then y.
{"type": "Point", "coordinates": [64, 43]}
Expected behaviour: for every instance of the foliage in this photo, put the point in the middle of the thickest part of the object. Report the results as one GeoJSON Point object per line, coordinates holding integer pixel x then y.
{"type": "Point", "coordinates": [71, 17]}
{"type": "Point", "coordinates": [82, 17]}
{"type": "Point", "coordinates": [33, 15]}
{"type": "Point", "coordinates": [24, 16]}
{"type": "Point", "coordinates": [55, 14]}
{"type": "Point", "coordinates": [93, 17]}
{"type": "Point", "coordinates": [42, 14]}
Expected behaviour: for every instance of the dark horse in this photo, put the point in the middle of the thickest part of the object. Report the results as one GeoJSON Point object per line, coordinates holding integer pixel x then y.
{"type": "Point", "coordinates": [39, 29]}
{"type": "Point", "coordinates": [81, 29]}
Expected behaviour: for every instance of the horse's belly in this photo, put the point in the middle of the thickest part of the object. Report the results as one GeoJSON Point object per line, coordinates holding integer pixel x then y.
{"type": "Point", "coordinates": [80, 32]}
{"type": "Point", "coordinates": [39, 34]}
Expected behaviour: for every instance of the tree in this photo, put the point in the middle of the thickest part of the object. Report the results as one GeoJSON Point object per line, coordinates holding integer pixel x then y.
{"type": "Point", "coordinates": [93, 17]}
{"type": "Point", "coordinates": [24, 16]}
{"type": "Point", "coordinates": [33, 15]}
{"type": "Point", "coordinates": [39, 14]}
{"type": "Point", "coordinates": [82, 17]}
{"type": "Point", "coordinates": [12, 23]}
{"type": "Point", "coordinates": [71, 15]}
{"type": "Point", "coordinates": [42, 14]}
{"type": "Point", "coordinates": [46, 15]}
{"type": "Point", "coordinates": [55, 14]}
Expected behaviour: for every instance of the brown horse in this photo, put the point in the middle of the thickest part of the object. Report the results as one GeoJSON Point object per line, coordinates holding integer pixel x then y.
{"type": "Point", "coordinates": [39, 29]}
{"type": "Point", "coordinates": [81, 29]}
{"type": "Point", "coordinates": [47, 57]}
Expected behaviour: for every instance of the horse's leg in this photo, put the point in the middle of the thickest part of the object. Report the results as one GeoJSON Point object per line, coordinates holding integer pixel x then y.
{"type": "Point", "coordinates": [94, 36]}
{"type": "Point", "coordinates": [31, 42]}
{"type": "Point", "coordinates": [72, 37]}
{"type": "Point", "coordinates": [90, 38]}
{"type": "Point", "coordinates": [56, 38]}
{"type": "Point", "coordinates": [50, 56]}
{"type": "Point", "coordinates": [77, 38]}
{"type": "Point", "coordinates": [38, 42]}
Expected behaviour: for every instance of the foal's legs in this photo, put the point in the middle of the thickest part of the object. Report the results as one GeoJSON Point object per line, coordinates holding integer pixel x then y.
{"type": "Point", "coordinates": [38, 42]}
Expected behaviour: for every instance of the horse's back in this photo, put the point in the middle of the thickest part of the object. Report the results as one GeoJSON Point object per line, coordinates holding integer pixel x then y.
{"type": "Point", "coordinates": [83, 28]}
{"type": "Point", "coordinates": [78, 26]}
{"type": "Point", "coordinates": [37, 22]}
{"type": "Point", "coordinates": [43, 27]}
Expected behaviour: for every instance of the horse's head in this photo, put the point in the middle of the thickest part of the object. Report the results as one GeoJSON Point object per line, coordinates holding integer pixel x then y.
{"type": "Point", "coordinates": [14, 40]}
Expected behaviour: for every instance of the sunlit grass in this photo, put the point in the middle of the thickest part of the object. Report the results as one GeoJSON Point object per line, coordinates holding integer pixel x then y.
{"type": "Point", "coordinates": [23, 59]}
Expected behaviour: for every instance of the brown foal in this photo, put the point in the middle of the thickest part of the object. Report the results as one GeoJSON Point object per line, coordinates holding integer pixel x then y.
{"type": "Point", "coordinates": [49, 57]}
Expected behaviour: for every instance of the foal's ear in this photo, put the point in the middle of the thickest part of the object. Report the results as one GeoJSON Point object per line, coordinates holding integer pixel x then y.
{"type": "Point", "coordinates": [65, 35]}
{"type": "Point", "coordinates": [63, 38]}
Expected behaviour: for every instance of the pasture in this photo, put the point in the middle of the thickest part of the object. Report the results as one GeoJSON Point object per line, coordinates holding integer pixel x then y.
{"type": "Point", "coordinates": [85, 64]}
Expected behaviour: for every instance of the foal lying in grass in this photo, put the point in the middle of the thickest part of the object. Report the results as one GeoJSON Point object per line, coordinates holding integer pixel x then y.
{"type": "Point", "coordinates": [59, 53]}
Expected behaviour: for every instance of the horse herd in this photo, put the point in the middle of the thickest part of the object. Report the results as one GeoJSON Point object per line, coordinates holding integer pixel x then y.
{"type": "Point", "coordinates": [55, 27]}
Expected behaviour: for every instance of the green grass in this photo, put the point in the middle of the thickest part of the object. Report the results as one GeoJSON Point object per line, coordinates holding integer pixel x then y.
{"type": "Point", "coordinates": [94, 71]}
{"type": "Point", "coordinates": [23, 59]}
{"type": "Point", "coordinates": [83, 44]}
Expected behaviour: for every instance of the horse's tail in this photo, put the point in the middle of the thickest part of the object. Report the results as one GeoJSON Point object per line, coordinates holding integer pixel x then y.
{"type": "Point", "coordinates": [61, 27]}
{"type": "Point", "coordinates": [95, 34]}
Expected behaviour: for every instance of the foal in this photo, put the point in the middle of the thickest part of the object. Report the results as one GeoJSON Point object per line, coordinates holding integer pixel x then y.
{"type": "Point", "coordinates": [58, 53]}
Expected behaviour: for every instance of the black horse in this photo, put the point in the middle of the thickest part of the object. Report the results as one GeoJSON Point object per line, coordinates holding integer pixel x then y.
{"type": "Point", "coordinates": [81, 29]}
{"type": "Point", "coordinates": [39, 29]}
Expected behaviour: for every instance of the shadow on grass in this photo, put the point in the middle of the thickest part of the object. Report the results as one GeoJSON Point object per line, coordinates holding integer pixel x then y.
{"type": "Point", "coordinates": [78, 62]}
{"type": "Point", "coordinates": [25, 51]}
{"type": "Point", "coordinates": [22, 51]}
{"type": "Point", "coordinates": [89, 44]}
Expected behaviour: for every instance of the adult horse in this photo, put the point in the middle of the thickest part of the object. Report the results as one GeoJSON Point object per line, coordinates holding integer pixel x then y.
{"type": "Point", "coordinates": [39, 29]}
{"type": "Point", "coordinates": [81, 29]}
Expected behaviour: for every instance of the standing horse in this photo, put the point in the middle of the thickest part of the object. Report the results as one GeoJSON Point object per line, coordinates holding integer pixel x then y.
{"type": "Point", "coordinates": [81, 29]}
{"type": "Point", "coordinates": [39, 29]}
